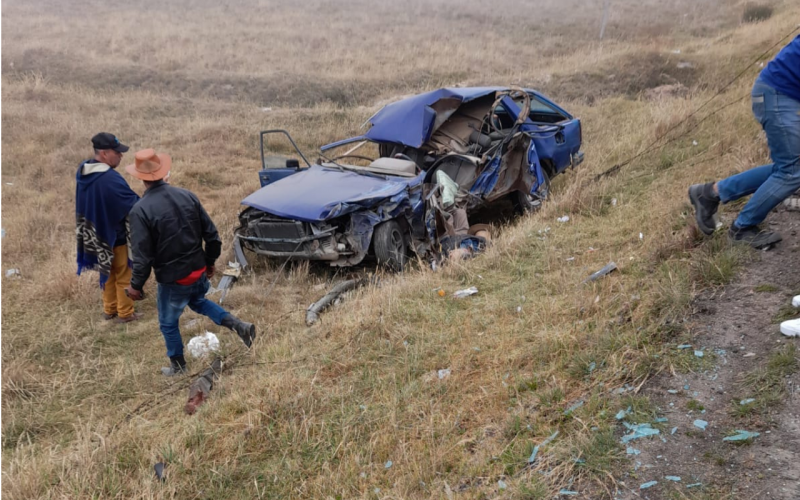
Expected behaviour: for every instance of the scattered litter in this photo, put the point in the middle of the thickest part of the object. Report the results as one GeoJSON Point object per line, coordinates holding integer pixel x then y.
{"type": "Point", "coordinates": [641, 236]}
{"type": "Point", "coordinates": [685, 65]}
{"type": "Point", "coordinates": [746, 401]}
{"type": "Point", "coordinates": [2, 233]}
{"type": "Point", "coordinates": [363, 475]}
{"type": "Point", "coordinates": [314, 310]}
{"type": "Point", "coordinates": [698, 354]}
{"type": "Point", "coordinates": [695, 485]}
{"type": "Point", "coordinates": [362, 407]}
{"type": "Point", "coordinates": [13, 273]}
{"type": "Point", "coordinates": [686, 387]}
{"type": "Point", "coordinates": [519, 309]}
{"type": "Point", "coordinates": [676, 51]}
{"type": "Point", "coordinates": [632, 451]}
{"type": "Point", "coordinates": [673, 431]}
{"type": "Point", "coordinates": [563, 219]}
{"type": "Point", "coordinates": [266, 109]}
{"type": "Point", "coordinates": [159, 468]}
{"type": "Point", "coordinates": [460, 294]}
{"type": "Point", "coordinates": [570, 259]}
{"type": "Point", "coordinates": [592, 366]}
{"type": "Point", "coordinates": [442, 374]}
{"type": "Point", "coordinates": [672, 391]}
{"type": "Point", "coordinates": [502, 484]}
{"type": "Point", "coordinates": [388, 464]}
{"type": "Point", "coordinates": [202, 345]}
{"type": "Point", "coordinates": [610, 267]}
{"type": "Point", "coordinates": [741, 436]}
{"type": "Point", "coordinates": [639, 431]}
{"type": "Point", "coordinates": [201, 387]}
{"type": "Point", "coordinates": [376, 490]}
{"type": "Point", "coordinates": [660, 420]}
{"type": "Point", "coordinates": [791, 328]}
{"type": "Point", "coordinates": [749, 355]}
{"type": "Point", "coordinates": [579, 460]}
{"type": "Point", "coordinates": [621, 414]}
{"type": "Point", "coordinates": [701, 424]}
{"type": "Point", "coordinates": [568, 493]}
{"type": "Point", "coordinates": [573, 407]}
{"type": "Point", "coordinates": [796, 301]}
{"type": "Point", "coordinates": [673, 478]}
{"type": "Point", "coordinates": [648, 485]}
{"type": "Point", "coordinates": [535, 452]}
{"type": "Point", "coordinates": [694, 143]}
{"type": "Point", "coordinates": [685, 346]}
{"type": "Point", "coordinates": [613, 202]}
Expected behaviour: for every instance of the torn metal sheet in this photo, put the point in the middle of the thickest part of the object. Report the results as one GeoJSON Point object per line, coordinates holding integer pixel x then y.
{"type": "Point", "coordinates": [607, 269]}
{"type": "Point", "coordinates": [314, 310]}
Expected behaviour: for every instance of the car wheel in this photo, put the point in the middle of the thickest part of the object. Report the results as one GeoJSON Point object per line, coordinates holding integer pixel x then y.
{"type": "Point", "coordinates": [389, 243]}
{"type": "Point", "coordinates": [530, 202]}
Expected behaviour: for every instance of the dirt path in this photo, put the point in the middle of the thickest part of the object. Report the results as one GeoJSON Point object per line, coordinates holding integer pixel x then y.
{"type": "Point", "coordinates": [736, 330]}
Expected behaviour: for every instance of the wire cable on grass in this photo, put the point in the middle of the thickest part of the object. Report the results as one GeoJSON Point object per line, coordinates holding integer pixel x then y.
{"type": "Point", "coordinates": [654, 144]}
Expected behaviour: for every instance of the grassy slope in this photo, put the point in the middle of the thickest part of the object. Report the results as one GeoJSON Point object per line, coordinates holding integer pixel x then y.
{"type": "Point", "coordinates": [318, 412]}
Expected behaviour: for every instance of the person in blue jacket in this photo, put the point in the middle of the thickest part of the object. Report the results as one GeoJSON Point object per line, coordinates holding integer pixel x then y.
{"type": "Point", "coordinates": [776, 105]}
{"type": "Point", "coordinates": [102, 202]}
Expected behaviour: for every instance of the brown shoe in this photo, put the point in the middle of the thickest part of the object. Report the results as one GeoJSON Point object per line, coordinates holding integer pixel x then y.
{"type": "Point", "coordinates": [109, 317]}
{"type": "Point", "coordinates": [128, 319]}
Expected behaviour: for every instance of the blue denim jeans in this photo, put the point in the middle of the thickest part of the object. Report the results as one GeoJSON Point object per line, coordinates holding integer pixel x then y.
{"type": "Point", "coordinates": [779, 116]}
{"type": "Point", "coordinates": [173, 299]}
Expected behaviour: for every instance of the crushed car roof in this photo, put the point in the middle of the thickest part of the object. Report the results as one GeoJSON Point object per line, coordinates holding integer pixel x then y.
{"type": "Point", "coordinates": [412, 120]}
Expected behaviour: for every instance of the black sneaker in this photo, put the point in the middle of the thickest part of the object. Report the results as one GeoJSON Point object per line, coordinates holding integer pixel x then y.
{"type": "Point", "coordinates": [177, 366]}
{"type": "Point", "coordinates": [705, 204]}
{"type": "Point", "coordinates": [753, 236]}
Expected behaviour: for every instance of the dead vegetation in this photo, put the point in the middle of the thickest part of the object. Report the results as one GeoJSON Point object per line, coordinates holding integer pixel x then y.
{"type": "Point", "coordinates": [354, 407]}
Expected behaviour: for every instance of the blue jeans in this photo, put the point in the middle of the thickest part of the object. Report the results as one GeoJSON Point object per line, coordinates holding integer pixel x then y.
{"type": "Point", "coordinates": [173, 299]}
{"type": "Point", "coordinates": [779, 116]}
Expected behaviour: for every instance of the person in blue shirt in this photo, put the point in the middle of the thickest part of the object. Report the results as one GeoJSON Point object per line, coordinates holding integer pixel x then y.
{"type": "Point", "coordinates": [776, 105]}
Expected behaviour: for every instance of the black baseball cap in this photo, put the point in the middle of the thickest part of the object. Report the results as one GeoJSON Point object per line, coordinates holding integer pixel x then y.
{"type": "Point", "coordinates": [104, 140]}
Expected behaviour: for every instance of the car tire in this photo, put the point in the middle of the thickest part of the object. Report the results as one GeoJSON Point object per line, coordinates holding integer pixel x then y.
{"type": "Point", "coordinates": [390, 245]}
{"type": "Point", "coordinates": [525, 203]}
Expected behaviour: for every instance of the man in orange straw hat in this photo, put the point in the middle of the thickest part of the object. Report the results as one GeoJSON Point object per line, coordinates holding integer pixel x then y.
{"type": "Point", "coordinates": [168, 228]}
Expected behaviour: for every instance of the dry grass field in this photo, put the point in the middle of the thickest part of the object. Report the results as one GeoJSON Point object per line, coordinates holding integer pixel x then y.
{"type": "Point", "coordinates": [348, 408]}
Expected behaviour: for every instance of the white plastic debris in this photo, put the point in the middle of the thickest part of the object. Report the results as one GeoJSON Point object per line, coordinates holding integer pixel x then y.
{"type": "Point", "coordinates": [203, 344]}
{"type": "Point", "coordinates": [613, 202]}
{"type": "Point", "coordinates": [563, 219]}
{"type": "Point", "coordinates": [460, 294]}
{"type": "Point", "coordinates": [641, 236]}
{"type": "Point", "coordinates": [502, 484]}
{"type": "Point", "coordinates": [266, 109]}
{"type": "Point", "coordinates": [694, 143]}
{"type": "Point", "coordinates": [791, 328]}
{"type": "Point", "coordinates": [796, 301]}
{"type": "Point", "coordinates": [443, 374]}
{"type": "Point", "coordinates": [13, 273]}
{"type": "Point", "coordinates": [676, 51]}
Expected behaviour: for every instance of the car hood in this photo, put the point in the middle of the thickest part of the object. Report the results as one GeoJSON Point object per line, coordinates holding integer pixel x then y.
{"type": "Point", "coordinates": [320, 193]}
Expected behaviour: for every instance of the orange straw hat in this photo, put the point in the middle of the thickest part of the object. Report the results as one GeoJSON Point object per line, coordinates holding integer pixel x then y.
{"type": "Point", "coordinates": [150, 166]}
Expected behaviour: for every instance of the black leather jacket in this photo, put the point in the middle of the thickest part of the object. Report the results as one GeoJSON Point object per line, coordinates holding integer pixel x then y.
{"type": "Point", "coordinates": [168, 228]}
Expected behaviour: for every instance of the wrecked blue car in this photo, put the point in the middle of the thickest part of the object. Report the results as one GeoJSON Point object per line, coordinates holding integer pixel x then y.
{"type": "Point", "coordinates": [493, 143]}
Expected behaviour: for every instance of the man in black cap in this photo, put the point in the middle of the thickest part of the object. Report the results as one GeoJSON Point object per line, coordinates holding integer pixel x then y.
{"type": "Point", "coordinates": [102, 202]}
